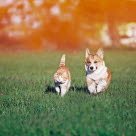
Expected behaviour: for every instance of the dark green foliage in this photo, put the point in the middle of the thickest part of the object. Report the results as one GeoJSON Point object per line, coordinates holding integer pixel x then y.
{"type": "Point", "coordinates": [29, 106]}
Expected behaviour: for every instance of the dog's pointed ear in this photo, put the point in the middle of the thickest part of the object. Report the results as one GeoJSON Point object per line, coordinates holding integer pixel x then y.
{"type": "Point", "coordinates": [100, 53]}
{"type": "Point", "coordinates": [87, 52]}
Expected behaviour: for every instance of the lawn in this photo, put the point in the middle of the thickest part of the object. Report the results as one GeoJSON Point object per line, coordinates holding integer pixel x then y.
{"type": "Point", "coordinates": [29, 107]}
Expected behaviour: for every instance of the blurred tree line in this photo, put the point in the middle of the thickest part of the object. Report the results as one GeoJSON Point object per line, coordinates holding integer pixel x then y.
{"type": "Point", "coordinates": [62, 24]}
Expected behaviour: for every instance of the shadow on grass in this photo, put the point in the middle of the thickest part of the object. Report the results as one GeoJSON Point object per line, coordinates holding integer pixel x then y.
{"type": "Point", "coordinates": [51, 89]}
{"type": "Point", "coordinates": [77, 88]}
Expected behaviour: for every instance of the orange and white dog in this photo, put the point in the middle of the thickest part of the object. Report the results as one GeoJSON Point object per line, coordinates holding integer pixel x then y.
{"type": "Point", "coordinates": [98, 76]}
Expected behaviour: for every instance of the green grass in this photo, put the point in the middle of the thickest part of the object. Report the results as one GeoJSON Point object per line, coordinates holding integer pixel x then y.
{"type": "Point", "coordinates": [29, 107]}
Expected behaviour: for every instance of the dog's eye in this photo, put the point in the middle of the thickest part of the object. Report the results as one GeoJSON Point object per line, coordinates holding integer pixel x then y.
{"type": "Point", "coordinates": [88, 62]}
{"type": "Point", "coordinates": [95, 61]}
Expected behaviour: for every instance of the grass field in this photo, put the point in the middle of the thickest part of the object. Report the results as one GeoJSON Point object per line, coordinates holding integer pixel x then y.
{"type": "Point", "coordinates": [28, 105]}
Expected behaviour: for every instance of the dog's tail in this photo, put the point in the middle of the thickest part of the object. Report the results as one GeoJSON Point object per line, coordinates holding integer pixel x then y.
{"type": "Point", "coordinates": [62, 61]}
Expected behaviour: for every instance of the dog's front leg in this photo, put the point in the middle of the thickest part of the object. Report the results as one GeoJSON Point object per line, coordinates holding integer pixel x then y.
{"type": "Point", "coordinates": [91, 86]}
{"type": "Point", "coordinates": [101, 86]}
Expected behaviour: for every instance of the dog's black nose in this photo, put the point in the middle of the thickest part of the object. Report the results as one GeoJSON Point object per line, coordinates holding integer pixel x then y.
{"type": "Point", "coordinates": [91, 68]}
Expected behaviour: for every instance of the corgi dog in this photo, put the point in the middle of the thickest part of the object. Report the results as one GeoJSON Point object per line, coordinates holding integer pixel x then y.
{"type": "Point", "coordinates": [98, 76]}
{"type": "Point", "coordinates": [62, 78]}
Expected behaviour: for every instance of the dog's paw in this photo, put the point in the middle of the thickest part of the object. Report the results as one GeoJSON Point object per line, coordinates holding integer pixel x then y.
{"type": "Point", "coordinates": [92, 90]}
{"type": "Point", "coordinates": [100, 88]}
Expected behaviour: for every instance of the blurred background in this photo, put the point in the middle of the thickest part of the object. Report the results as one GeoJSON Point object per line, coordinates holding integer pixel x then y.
{"type": "Point", "coordinates": [67, 24]}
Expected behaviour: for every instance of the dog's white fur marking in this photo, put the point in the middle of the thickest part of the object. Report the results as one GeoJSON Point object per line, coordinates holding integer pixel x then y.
{"type": "Point", "coordinates": [99, 73]}
{"type": "Point", "coordinates": [95, 76]}
{"type": "Point", "coordinates": [101, 86]}
{"type": "Point", "coordinates": [92, 88]}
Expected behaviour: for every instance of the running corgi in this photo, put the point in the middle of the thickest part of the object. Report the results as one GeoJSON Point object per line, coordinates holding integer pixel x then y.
{"type": "Point", "coordinates": [98, 76]}
{"type": "Point", "coordinates": [62, 78]}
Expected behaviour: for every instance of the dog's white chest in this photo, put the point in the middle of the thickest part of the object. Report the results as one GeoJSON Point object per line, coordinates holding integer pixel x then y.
{"type": "Point", "coordinates": [102, 73]}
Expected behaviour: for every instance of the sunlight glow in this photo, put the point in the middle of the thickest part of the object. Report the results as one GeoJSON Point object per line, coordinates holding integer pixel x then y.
{"type": "Point", "coordinates": [55, 10]}
{"type": "Point", "coordinates": [68, 24]}
{"type": "Point", "coordinates": [38, 2]}
{"type": "Point", "coordinates": [16, 19]}
{"type": "Point", "coordinates": [5, 2]}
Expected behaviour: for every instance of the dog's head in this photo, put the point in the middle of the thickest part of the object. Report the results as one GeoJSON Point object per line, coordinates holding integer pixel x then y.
{"type": "Point", "coordinates": [93, 62]}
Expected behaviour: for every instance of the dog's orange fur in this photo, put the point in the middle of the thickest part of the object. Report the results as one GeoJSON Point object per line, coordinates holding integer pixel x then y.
{"type": "Point", "coordinates": [108, 78]}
